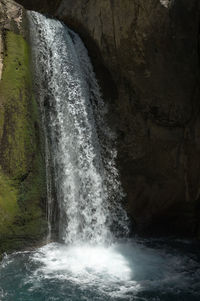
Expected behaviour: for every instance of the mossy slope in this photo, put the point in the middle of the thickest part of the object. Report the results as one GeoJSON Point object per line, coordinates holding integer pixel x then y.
{"type": "Point", "coordinates": [22, 173]}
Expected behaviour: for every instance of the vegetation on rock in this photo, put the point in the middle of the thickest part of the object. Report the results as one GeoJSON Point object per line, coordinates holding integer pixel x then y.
{"type": "Point", "coordinates": [22, 170]}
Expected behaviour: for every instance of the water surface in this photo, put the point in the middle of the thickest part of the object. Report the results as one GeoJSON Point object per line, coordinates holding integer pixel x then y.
{"type": "Point", "coordinates": [142, 270]}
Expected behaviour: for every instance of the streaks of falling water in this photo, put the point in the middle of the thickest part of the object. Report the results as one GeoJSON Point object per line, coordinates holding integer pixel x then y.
{"type": "Point", "coordinates": [79, 144]}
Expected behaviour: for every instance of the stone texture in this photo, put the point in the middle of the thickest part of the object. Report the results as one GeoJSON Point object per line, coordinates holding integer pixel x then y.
{"type": "Point", "coordinates": [22, 169]}
{"type": "Point", "coordinates": [45, 6]}
{"type": "Point", "coordinates": [146, 57]}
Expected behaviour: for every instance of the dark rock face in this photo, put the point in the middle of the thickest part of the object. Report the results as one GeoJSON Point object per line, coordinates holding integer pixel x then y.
{"type": "Point", "coordinates": [146, 56]}
{"type": "Point", "coordinates": [46, 6]}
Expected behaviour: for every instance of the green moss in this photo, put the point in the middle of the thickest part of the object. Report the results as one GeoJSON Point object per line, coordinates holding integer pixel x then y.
{"type": "Point", "coordinates": [1, 120]}
{"type": "Point", "coordinates": [22, 173]}
{"type": "Point", "coordinates": [17, 138]}
{"type": "Point", "coordinates": [8, 203]}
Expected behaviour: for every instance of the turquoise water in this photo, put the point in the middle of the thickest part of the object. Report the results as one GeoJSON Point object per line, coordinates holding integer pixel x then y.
{"type": "Point", "coordinates": [144, 270]}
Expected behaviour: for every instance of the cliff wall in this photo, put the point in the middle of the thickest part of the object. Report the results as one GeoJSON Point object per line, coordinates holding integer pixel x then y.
{"type": "Point", "coordinates": [146, 57]}
{"type": "Point", "coordinates": [22, 169]}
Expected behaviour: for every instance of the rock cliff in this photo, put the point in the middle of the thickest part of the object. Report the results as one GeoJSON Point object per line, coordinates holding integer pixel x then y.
{"type": "Point", "coordinates": [22, 170]}
{"type": "Point", "coordinates": [146, 57]}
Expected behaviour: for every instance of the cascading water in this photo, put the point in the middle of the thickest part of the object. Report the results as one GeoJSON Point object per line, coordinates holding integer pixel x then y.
{"type": "Point", "coordinates": [80, 161]}
{"type": "Point", "coordinates": [81, 145]}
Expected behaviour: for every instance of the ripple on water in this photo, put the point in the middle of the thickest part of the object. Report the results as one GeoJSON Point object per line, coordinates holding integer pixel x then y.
{"type": "Point", "coordinates": [122, 271]}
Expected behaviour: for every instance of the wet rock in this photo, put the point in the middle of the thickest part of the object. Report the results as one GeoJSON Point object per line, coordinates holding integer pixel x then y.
{"type": "Point", "coordinates": [22, 169]}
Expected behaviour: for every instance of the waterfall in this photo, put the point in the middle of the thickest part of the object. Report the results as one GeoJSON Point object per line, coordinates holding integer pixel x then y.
{"type": "Point", "coordinates": [84, 193]}
{"type": "Point", "coordinates": [80, 147]}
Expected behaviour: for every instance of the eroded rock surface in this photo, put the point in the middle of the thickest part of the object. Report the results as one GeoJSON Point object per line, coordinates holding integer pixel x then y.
{"type": "Point", "coordinates": [22, 169]}
{"type": "Point", "coordinates": [146, 56]}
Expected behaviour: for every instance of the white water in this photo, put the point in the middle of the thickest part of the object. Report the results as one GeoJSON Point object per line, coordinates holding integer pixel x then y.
{"type": "Point", "coordinates": [120, 269]}
{"type": "Point", "coordinates": [79, 142]}
{"type": "Point", "coordinates": [127, 270]}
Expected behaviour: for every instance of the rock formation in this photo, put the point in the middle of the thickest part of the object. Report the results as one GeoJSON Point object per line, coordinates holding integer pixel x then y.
{"type": "Point", "coordinates": [22, 170]}
{"type": "Point", "coordinates": [146, 57]}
